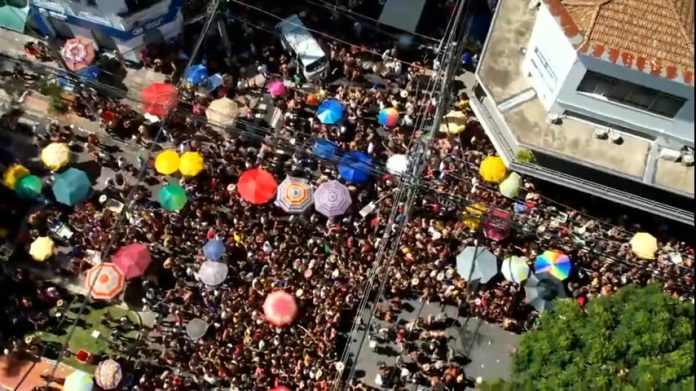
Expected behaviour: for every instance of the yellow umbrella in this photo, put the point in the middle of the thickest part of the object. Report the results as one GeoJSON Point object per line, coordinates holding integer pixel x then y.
{"type": "Point", "coordinates": [644, 245]}
{"type": "Point", "coordinates": [56, 156]}
{"type": "Point", "coordinates": [191, 164]}
{"type": "Point", "coordinates": [13, 174]}
{"type": "Point", "coordinates": [454, 122]}
{"type": "Point", "coordinates": [167, 162]}
{"type": "Point", "coordinates": [222, 112]}
{"type": "Point", "coordinates": [493, 169]}
{"type": "Point", "coordinates": [471, 217]}
{"type": "Point", "coordinates": [42, 248]}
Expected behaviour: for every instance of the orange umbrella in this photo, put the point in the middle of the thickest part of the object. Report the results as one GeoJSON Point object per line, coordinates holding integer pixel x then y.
{"type": "Point", "coordinates": [78, 53]}
{"type": "Point", "coordinates": [312, 100]}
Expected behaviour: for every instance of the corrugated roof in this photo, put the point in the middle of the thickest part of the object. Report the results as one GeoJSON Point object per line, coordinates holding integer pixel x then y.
{"type": "Point", "coordinates": [655, 36]}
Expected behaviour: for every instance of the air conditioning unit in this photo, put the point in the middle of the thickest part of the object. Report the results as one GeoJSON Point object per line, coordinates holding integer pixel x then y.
{"type": "Point", "coordinates": [669, 155]}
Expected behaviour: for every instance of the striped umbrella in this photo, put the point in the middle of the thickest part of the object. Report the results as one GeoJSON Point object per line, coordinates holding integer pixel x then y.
{"type": "Point", "coordinates": [554, 263]}
{"type": "Point", "coordinates": [332, 199]}
{"type": "Point", "coordinates": [105, 281]}
{"type": "Point", "coordinates": [294, 195]}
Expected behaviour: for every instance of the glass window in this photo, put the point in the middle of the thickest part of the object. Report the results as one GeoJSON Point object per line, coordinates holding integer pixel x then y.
{"type": "Point", "coordinates": [667, 105]}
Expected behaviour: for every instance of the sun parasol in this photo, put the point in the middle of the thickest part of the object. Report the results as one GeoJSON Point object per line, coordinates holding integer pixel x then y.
{"type": "Point", "coordinates": [78, 381]}
{"type": "Point", "coordinates": [214, 249]}
{"type": "Point", "coordinates": [515, 269]}
{"type": "Point", "coordinates": [276, 88]}
{"type": "Point", "coordinates": [312, 100]}
{"type": "Point", "coordinates": [13, 174]}
{"type": "Point", "coordinates": [511, 186]}
{"type": "Point", "coordinates": [330, 112]}
{"type": "Point", "coordinates": [332, 198]}
{"type": "Point", "coordinates": [493, 169]}
{"type": "Point", "coordinates": [71, 187]}
{"type": "Point", "coordinates": [167, 162]}
{"type": "Point", "coordinates": [280, 308]}
{"type": "Point", "coordinates": [222, 112]}
{"type": "Point", "coordinates": [541, 289]}
{"type": "Point", "coordinates": [553, 262]}
{"type": "Point", "coordinates": [132, 260]}
{"type": "Point", "coordinates": [29, 187]}
{"type": "Point", "coordinates": [397, 164]}
{"type": "Point", "coordinates": [294, 195]}
{"type": "Point", "coordinates": [355, 167]}
{"type": "Point", "coordinates": [388, 117]}
{"type": "Point", "coordinates": [326, 149]}
{"type": "Point", "coordinates": [105, 281]}
{"type": "Point", "coordinates": [42, 248]}
{"type": "Point", "coordinates": [55, 156]}
{"type": "Point", "coordinates": [172, 197]}
{"type": "Point", "coordinates": [196, 328]}
{"type": "Point", "coordinates": [191, 164]}
{"type": "Point", "coordinates": [159, 98]}
{"type": "Point", "coordinates": [77, 53]}
{"type": "Point", "coordinates": [497, 224]}
{"type": "Point", "coordinates": [197, 74]}
{"type": "Point", "coordinates": [280, 388]}
{"type": "Point", "coordinates": [108, 374]}
{"type": "Point", "coordinates": [213, 273]}
{"type": "Point", "coordinates": [644, 245]}
{"type": "Point", "coordinates": [477, 263]}
{"type": "Point", "coordinates": [454, 122]}
{"type": "Point", "coordinates": [257, 186]}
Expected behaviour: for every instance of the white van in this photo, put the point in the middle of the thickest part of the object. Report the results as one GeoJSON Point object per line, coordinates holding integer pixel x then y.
{"type": "Point", "coordinates": [299, 41]}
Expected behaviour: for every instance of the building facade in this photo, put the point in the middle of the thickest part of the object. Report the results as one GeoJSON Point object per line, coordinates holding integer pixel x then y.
{"type": "Point", "coordinates": [124, 26]}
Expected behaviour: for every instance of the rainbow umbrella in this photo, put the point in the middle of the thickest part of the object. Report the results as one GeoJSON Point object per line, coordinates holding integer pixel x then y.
{"type": "Point", "coordinates": [388, 117]}
{"type": "Point", "coordinates": [553, 262]}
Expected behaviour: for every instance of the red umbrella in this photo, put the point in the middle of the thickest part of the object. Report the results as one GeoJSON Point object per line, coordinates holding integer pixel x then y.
{"type": "Point", "coordinates": [257, 186]}
{"type": "Point", "coordinates": [280, 308]}
{"type": "Point", "coordinates": [159, 98]}
{"type": "Point", "coordinates": [132, 260]}
{"type": "Point", "coordinates": [280, 388]}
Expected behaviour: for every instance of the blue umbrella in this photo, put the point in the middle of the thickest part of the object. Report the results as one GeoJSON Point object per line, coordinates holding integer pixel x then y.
{"type": "Point", "coordinates": [89, 74]}
{"type": "Point", "coordinates": [71, 187]}
{"type": "Point", "coordinates": [213, 82]}
{"type": "Point", "coordinates": [326, 149]}
{"type": "Point", "coordinates": [330, 111]}
{"type": "Point", "coordinates": [214, 249]}
{"type": "Point", "coordinates": [197, 74]}
{"type": "Point", "coordinates": [355, 167]}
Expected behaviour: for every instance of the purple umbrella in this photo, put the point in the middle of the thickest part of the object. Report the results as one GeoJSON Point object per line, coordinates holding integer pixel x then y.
{"type": "Point", "coordinates": [332, 199]}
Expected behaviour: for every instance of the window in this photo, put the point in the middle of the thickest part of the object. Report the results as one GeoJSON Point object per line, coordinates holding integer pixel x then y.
{"type": "Point", "coordinates": [630, 94]}
{"type": "Point", "coordinates": [92, 3]}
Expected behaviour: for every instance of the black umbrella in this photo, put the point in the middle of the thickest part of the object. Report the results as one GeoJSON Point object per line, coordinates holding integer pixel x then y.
{"type": "Point", "coordinates": [542, 289]}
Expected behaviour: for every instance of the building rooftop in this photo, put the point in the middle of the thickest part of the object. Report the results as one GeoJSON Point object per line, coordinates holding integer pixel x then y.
{"type": "Point", "coordinates": [655, 36]}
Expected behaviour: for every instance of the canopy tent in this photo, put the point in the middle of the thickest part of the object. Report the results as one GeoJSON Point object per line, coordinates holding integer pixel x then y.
{"type": "Point", "coordinates": [477, 263]}
{"type": "Point", "coordinates": [332, 198]}
{"type": "Point", "coordinates": [295, 195]}
{"type": "Point", "coordinates": [132, 260]}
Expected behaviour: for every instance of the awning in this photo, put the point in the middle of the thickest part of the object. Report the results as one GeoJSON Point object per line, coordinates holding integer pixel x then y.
{"type": "Point", "coordinates": [13, 18]}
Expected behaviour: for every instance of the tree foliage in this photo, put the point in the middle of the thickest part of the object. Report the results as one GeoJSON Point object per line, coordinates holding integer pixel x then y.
{"type": "Point", "coordinates": [635, 339]}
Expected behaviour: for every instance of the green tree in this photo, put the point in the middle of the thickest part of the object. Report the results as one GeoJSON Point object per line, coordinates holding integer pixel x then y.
{"type": "Point", "coordinates": [636, 339]}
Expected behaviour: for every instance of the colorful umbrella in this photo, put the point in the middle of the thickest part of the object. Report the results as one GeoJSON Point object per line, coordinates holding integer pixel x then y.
{"type": "Point", "coordinates": [326, 149]}
{"type": "Point", "coordinates": [542, 289]}
{"type": "Point", "coordinates": [280, 308]}
{"type": "Point", "coordinates": [71, 187]}
{"type": "Point", "coordinates": [493, 169]}
{"type": "Point", "coordinates": [108, 374]}
{"type": "Point", "coordinates": [644, 245]}
{"type": "Point", "coordinates": [330, 112]}
{"type": "Point", "coordinates": [105, 281]}
{"type": "Point", "coordinates": [191, 164]}
{"type": "Point", "coordinates": [132, 260]}
{"type": "Point", "coordinates": [167, 162]}
{"type": "Point", "coordinates": [397, 164]}
{"type": "Point", "coordinates": [515, 269]}
{"type": "Point", "coordinates": [13, 174]}
{"type": "Point", "coordinates": [454, 122]}
{"type": "Point", "coordinates": [276, 88]}
{"type": "Point", "coordinates": [172, 197]}
{"type": "Point", "coordinates": [312, 100]}
{"type": "Point", "coordinates": [222, 112]}
{"type": "Point", "coordinates": [77, 53]}
{"type": "Point", "coordinates": [55, 156]}
{"type": "Point", "coordinates": [42, 248]}
{"type": "Point", "coordinates": [78, 381]}
{"type": "Point", "coordinates": [197, 74]}
{"type": "Point", "coordinates": [257, 186]}
{"type": "Point", "coordinates": [214, 249]}
{"type": "Point", "coordinates": [196, 328]}
{"type": "Point", "coordinates": [355, 167]}
{"type": "Point", "coordinates": [332, 198]}
{"type": "Point", "coordinates": [511, 186]}
{"type": "Point", "coordinates": [213, 273]}
{"type": "Point", "coordinates": [553, 262]}
{"type": "Point", "coordinates": [29, 187]}
{"type": "Point", "coordinates": [477, 263]}
{"type": "Point", "coordinates": [159, 98]}
{"type": "Point", "coordinates": [388, 117]}
{"type": "Point", "coordinates": [280, 388]}
{"type": "Point", "coordinates": [294, 195]}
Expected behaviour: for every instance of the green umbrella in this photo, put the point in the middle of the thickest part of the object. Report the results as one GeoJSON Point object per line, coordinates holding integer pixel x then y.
{"type": "Point", "coordinates": [29, 187]}
{"type": "Point", "coordinates": [172, 197]}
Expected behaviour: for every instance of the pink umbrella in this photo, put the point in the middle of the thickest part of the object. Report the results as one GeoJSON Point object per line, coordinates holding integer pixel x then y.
{"type": "Point", "coordinates": [132, 260]}
{"type": "Point", "coordinates": [280, 308]}
{"type": "Point", "coordinates": [276, 88]}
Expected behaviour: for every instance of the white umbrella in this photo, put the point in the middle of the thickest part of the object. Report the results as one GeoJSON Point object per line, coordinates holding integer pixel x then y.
{"type": "Point", "coordinates": [477, 263]}
{"type": "Point", "coordinates": [196, 328]}
{"type": "Point", "coordinates": [397, 164]}
{"type": "Point", "coordinates": [213, 273]}
{"type": "Point", "coordinates": [515, 269]}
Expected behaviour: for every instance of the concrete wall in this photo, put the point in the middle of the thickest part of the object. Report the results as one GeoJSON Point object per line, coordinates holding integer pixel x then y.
{"type": "Point", "coordinates": [549, 57]}
{"type": "Point", "coordinates": [106, 11]}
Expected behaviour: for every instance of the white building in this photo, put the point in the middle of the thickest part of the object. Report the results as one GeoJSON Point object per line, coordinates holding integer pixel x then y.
{"type": "Point", "coordinates": [602, 91]}
{"type": "Point", "coordinates": [118, 25]}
